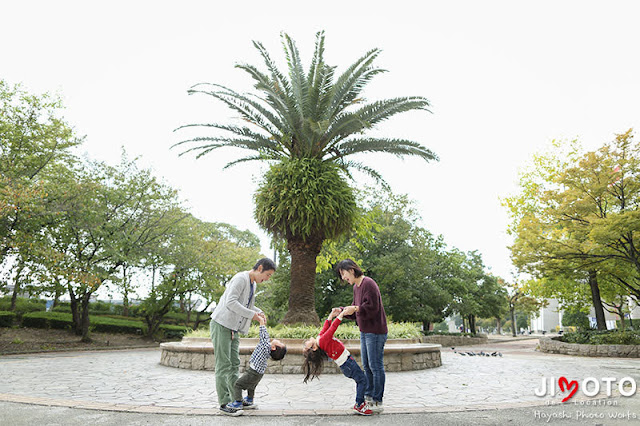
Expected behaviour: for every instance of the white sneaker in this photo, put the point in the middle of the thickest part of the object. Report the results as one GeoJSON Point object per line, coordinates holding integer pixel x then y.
{"type": "Point", "coordinates": [376, 406]}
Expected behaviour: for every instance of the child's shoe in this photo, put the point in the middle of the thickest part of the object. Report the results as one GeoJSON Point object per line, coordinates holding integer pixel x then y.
{"type": "Point", "coordinates": [363, 409]}
{"type": "Point", "coordinates": [247, 403]}
{"type": "Point", "coordinates": [231, 409]}
{"type": "Point", "coordinates": [376, 406]}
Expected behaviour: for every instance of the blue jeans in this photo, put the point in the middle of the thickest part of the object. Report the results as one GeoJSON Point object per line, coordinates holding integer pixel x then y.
{"type": "Point", "coordinates": [372, 352]}
{"type": "Point", "coordinates": [352, 370]}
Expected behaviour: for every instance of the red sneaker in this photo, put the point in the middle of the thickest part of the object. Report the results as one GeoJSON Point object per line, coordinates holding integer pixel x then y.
{"type": "Point", "coordinates": [363, 409]}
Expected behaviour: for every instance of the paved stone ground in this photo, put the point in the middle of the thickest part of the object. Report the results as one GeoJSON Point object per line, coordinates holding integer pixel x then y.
{"type": "Point", "coordinates": [134, 381]}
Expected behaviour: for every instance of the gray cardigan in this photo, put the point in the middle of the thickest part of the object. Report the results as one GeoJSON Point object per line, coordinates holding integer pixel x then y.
{"type": "Point", "coordinates": [231, 311]}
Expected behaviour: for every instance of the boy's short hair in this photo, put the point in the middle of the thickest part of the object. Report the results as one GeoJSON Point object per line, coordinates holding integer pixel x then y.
{"type": "Point", "coordinates": [266, 263]}
{"type": "Point", "coordinates": [278, 353]}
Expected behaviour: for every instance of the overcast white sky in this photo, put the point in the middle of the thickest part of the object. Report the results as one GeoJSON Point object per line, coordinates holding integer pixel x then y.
{"type": "Point", "coordinates": [504, 79]}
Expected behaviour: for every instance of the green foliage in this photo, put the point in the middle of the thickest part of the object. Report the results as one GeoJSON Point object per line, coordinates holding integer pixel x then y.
{"type": "Point", "coordinates": [608, 337]}
{"type": "Point", "coordinates": [23, 305]}
{"type": "Point", "coordinates": [173, 331]}
{"type": "Point", "coordinates": [441, 327]}
{"type": "Point", "coordinates": [305, 197]}
{"type": "Point", "coordinates": [58, 320]}
{"type": "Point", "coordinates": [112, 325]}
{"type": "Point", "coordinates": [302, 331]}
{"type": "Point", "coordinates": [577, 318]}
{"type": "Point", "coordinates": [7, 318]}
{"type": "Point", "coordinates": [575, 219]}
{"type": "Point", "coordinates": [34, 141]}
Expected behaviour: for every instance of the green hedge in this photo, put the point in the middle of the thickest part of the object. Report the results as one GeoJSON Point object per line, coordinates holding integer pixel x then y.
{"type": "Point", "coordinates": [401, 330]}
{"type": "Point", "coordinates": [7, 318]}
{"type": "Point", "coordinates": [114, 325]}
{"type": "Point", "coordinates": [174, 331]}
{"type": "Point", "coordinates": [58, 320]}
{"type": "Point", "coordinates": [23, 305]}
{"type": "Point", "coordinates": [608, 337]}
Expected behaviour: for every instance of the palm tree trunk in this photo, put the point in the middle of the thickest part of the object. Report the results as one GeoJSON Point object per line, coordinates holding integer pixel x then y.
{"type": "Point", "coordinates": [302, 300]}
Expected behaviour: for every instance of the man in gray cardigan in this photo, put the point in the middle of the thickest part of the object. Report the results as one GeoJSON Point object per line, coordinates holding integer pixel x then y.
{"type": "Point", "coordinates": [233, 314]}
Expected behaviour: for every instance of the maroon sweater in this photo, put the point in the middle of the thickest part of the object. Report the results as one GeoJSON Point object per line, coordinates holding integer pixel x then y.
{"type": "Point", "coordinates": [370, 317]}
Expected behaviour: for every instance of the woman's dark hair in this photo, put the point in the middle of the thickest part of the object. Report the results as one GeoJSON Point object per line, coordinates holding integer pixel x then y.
{"type": "Point", "coordinates": [278, 353]}
{"type": "Point", "coordinates": [313, 361]}
{"type": "Point", "coordinates": [349, 265]}
{"type": "Point", "coordinates": [266, 263]}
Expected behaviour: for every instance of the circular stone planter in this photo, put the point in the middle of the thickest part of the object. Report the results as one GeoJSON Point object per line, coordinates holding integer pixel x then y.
{"type": "Point", "coordinates": [448, 340]}
{"type": "Point", "coordinates": [196, 353]}
{"type": "Point", "coordinates": [553, 346]}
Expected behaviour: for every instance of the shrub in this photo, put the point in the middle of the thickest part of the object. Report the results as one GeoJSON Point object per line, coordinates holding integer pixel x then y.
{"type": "Point", "coordinates": [345, 331]}
{"type": "Point", "coordinates": [7, 318]}
{"type": "Point", "coordinates": [23, 305]}
{"type": "Point", "coordinates": [100, 308]}
{"type": "Point", "coordinates": [173, 331]}
{"type": "Point", "coordinates": [577, 318]}
{"type": "Point", "coordinates": [115, 325]}
{"type": "Point", "coordinates": [62, 307]}
{"type": "Point", "coordinates": [608, 337]}
{"type": "Point", "coordinates": [58, 320]}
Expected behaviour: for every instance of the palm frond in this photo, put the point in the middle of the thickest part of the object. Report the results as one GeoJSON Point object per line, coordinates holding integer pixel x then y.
{"type": "Point", "coordinates": [350, 84]}
{"type": "Point", "coordinates": [296, 73]}
{"type": "Point", "coordinates": [276, 98]}
{"type": "Point", "coordinates": [260, 145]}
{"type": "Point", "coordinates": [398, 147]}
{"type": "Point", "coordinates": [250, 158]}
{"type": "Point", "coordinates": [347, 166]}
{"type": "Point", "coordinates": [249, 109]}
{"type": "Point", "coordinates": [349, 123]}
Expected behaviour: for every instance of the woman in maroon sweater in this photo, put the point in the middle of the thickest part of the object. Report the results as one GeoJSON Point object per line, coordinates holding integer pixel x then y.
{"type": "Point", "coordinates": [372, 321]}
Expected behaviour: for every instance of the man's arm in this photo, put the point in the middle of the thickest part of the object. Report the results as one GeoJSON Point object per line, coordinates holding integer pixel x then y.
{"type": "Point", "coordinates": [234, 287]}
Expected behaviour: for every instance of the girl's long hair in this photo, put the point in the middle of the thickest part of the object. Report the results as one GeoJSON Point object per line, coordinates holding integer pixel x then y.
{"type": "Point", "coordinates": [313, 361]}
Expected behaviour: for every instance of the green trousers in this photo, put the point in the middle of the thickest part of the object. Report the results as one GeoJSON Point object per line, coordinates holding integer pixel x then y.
{"type": "Point", "coordinates": [226, 350]}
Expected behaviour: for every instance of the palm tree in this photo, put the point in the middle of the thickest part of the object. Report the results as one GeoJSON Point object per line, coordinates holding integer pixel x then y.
{"type": "Point", "coordinates": [306, 124]}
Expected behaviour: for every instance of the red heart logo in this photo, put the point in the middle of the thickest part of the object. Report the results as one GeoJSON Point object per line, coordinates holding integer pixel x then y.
{"type": "Point", "coordinates": [562, 382]}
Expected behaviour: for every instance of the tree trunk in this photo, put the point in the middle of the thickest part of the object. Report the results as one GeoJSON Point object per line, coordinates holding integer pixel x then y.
{"type": "Point", "coordinates": [512, 311]}
{"type": "Point", "coordinates": [85, 317]}
{"type": "Point", "coordinates": [75, 318]}
{"type": "Point", "coordinates": [498, 326]}
{"type": "Point", "coordinates": [472, 324]}
{"type": "Point", "coordinates": [16, 286]}
{"type": "Point", "coordinates": [125, 292]}
{"type": "Point", "coordinates": [597, 302]}
{"type": "Point", "coordinates": [302, 300]}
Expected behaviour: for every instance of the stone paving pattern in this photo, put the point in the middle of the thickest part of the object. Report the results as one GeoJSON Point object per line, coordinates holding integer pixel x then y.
{"type": "Point", "coordinates": [135, 381]}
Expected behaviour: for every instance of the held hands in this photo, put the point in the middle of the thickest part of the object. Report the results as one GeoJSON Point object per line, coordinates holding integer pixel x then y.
{"type": "Point", "coordinates": [260, 317]}
{"type": "Point", "coordinates": [334, 313]}
{"type": "Point", "coordinates": [349, 310]}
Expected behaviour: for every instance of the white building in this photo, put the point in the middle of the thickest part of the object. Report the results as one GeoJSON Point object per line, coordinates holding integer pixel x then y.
{"type": "Point", "coordinates": [549, 319]}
